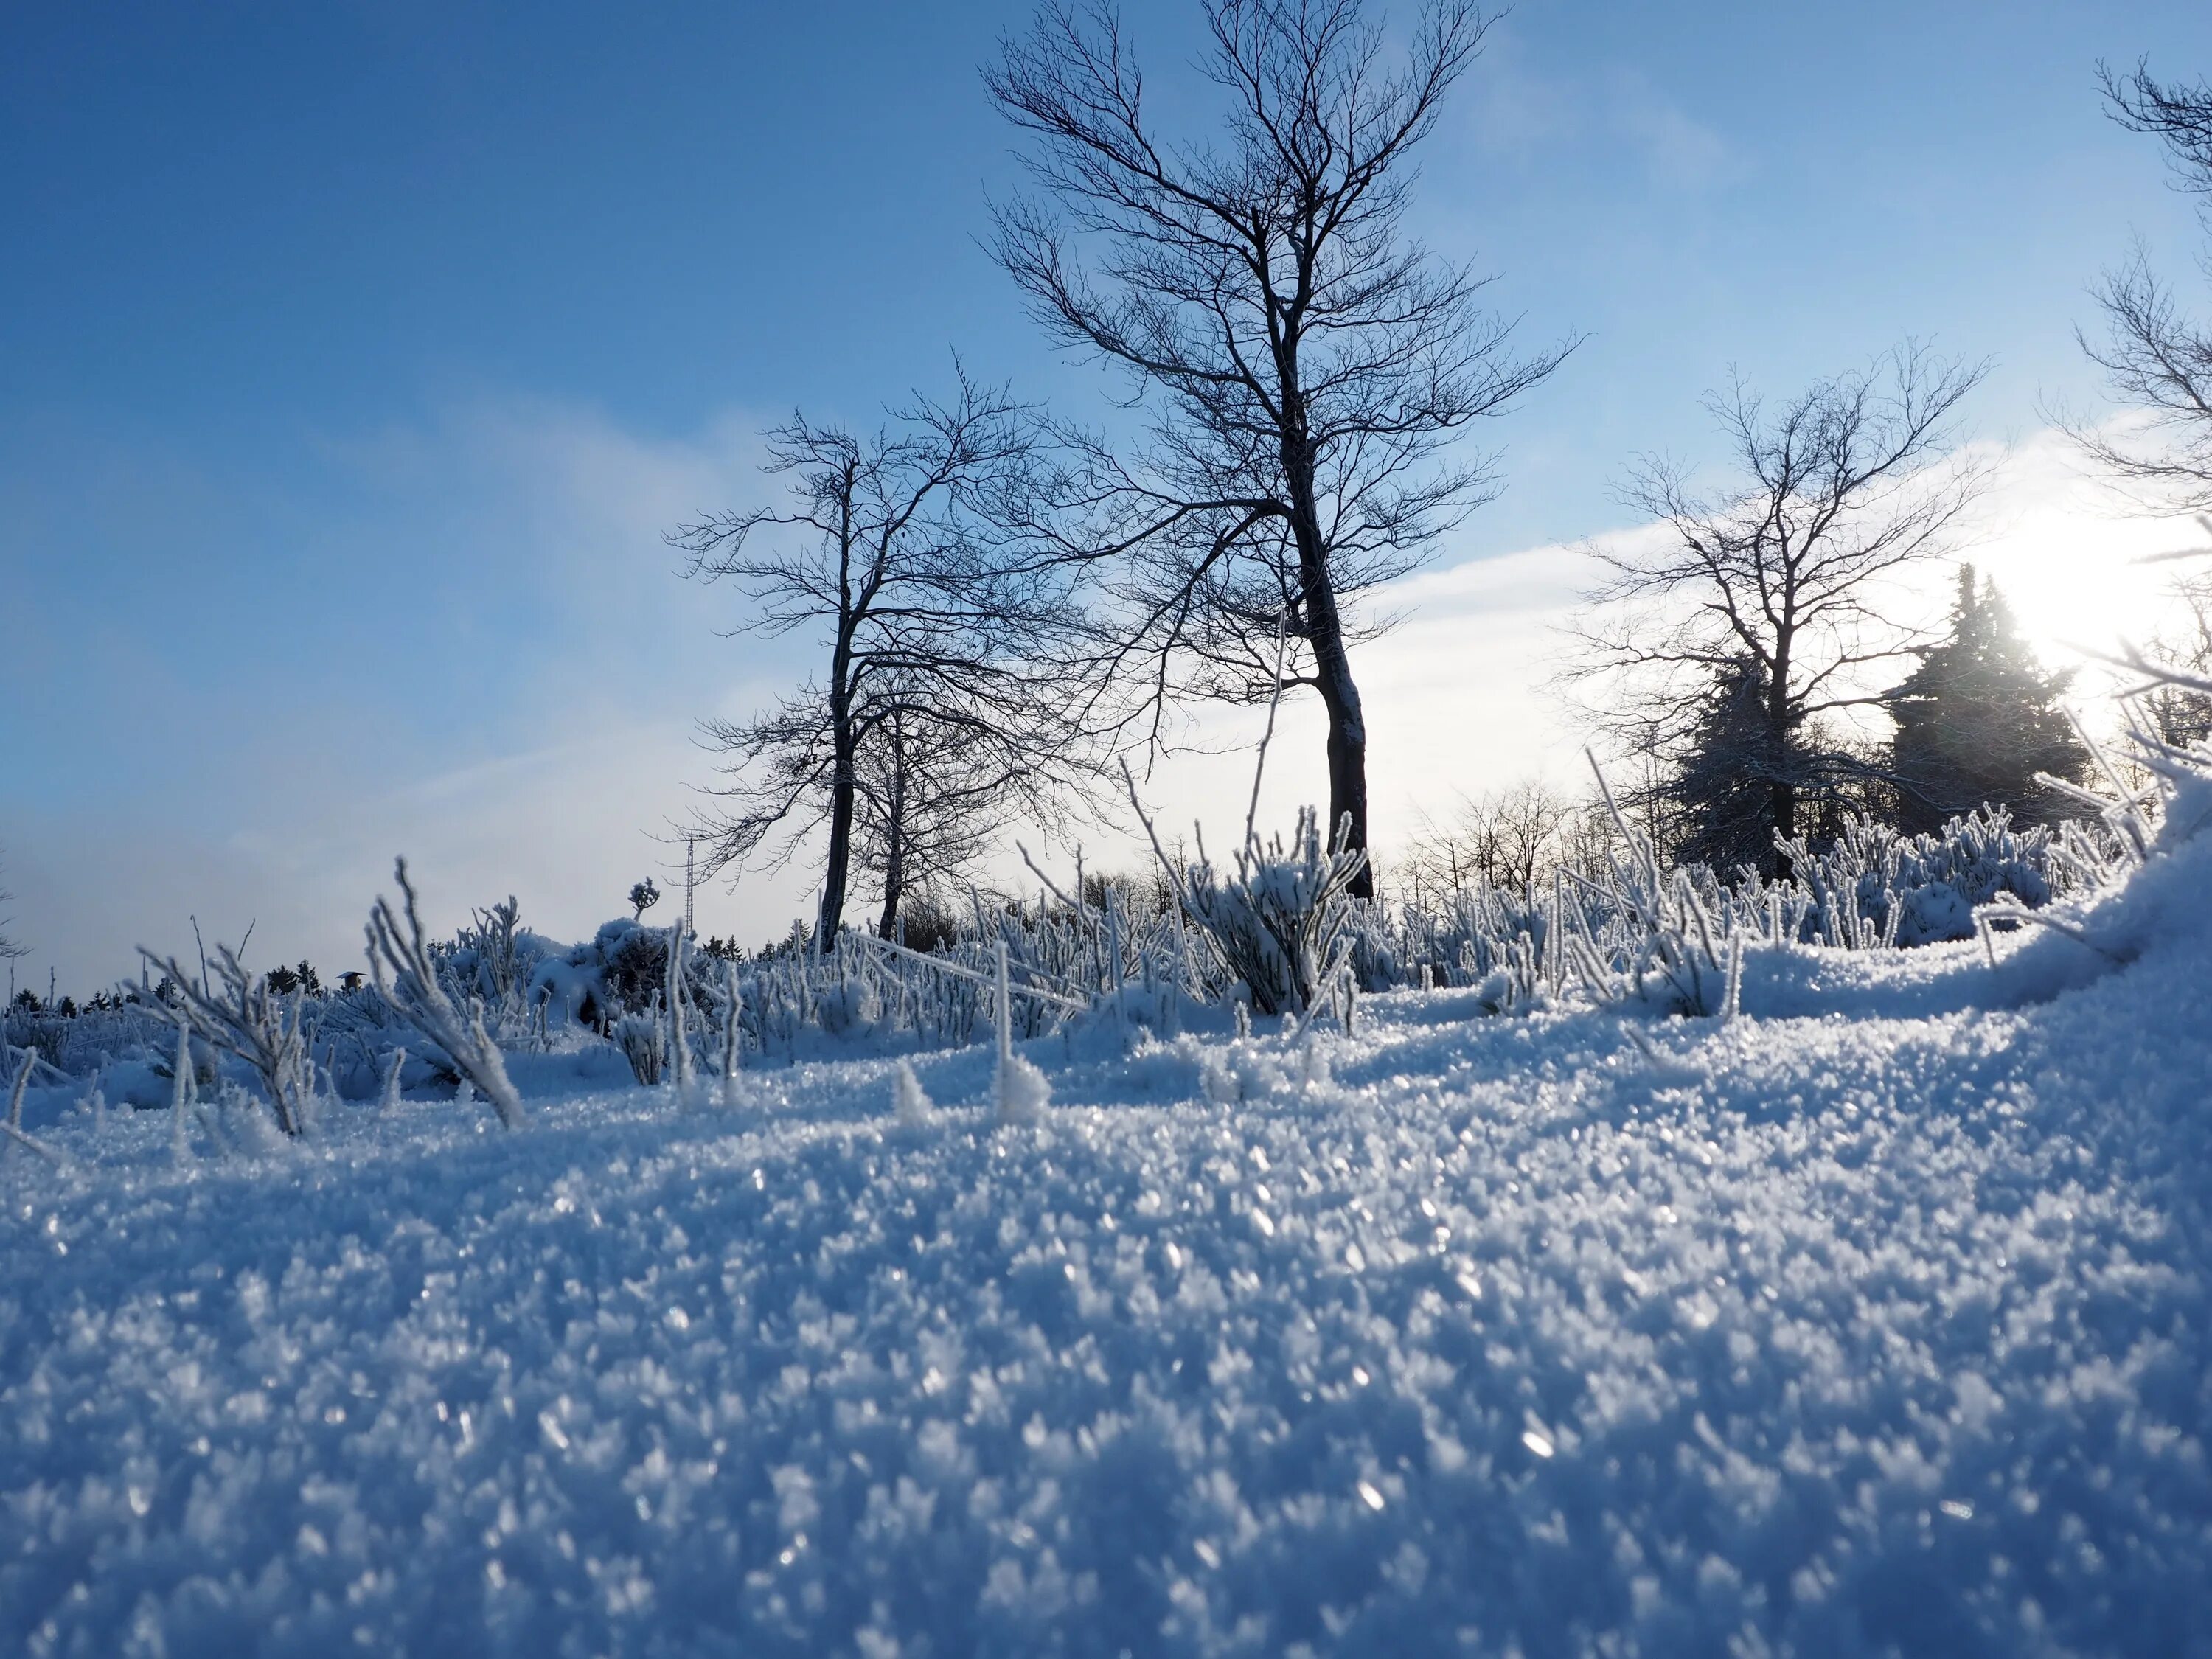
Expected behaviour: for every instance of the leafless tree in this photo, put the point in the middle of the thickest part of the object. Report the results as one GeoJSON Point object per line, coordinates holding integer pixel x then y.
{"type": "Point", "coordinates": [1780, 588]}
{"type": "Point", "coordinates": [2156, 357]}
{"type": "Point", "coordinates": [929, 804]}
{"type": "Point", "coordinates": [1301, 360]}
{"type": "Point", "coordinates": [9, 948]}
{"type": "Point", "coordinates": [933, 618]}
{"type": "Point", "coordinates": [1508, 838]}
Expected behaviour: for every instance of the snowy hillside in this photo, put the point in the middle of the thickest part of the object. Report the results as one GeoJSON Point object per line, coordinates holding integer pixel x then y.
{"type": "Point", "coordinates": [1846, 1332]}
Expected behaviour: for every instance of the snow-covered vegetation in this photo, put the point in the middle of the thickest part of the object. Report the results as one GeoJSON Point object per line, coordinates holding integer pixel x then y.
{"type": "Point", "coordinates": [1861, 1311]}
{"type": "Point", "coordinates": [1760, 1209]}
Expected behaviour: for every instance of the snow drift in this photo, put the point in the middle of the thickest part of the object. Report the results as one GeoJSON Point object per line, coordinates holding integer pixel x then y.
{"type": "Point", "coordinates": [1869, 1316]}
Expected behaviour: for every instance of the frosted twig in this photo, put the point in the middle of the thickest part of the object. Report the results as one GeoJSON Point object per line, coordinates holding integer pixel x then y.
{"type": "Point", "coordinates": [405, 977]}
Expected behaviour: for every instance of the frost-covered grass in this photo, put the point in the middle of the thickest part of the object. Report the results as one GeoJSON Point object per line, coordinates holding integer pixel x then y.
{"type": "Point", "coordinates": [1876, 1320]}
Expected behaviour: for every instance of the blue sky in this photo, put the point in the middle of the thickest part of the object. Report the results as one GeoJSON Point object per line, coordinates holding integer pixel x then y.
{"type": "Point", "coordinates": [357, 355]}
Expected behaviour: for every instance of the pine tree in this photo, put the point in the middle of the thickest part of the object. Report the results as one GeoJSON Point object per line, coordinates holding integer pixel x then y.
{"type": "Point", "coordinates": [1978, 719]}
{"type": "Point", "coordinates": [1713, 801]}
{"type": "Point", "coordinates": [1719, 794]}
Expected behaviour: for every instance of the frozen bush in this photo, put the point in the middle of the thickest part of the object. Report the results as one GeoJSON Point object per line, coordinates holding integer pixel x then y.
{"type": "Point", "coordinates": [243, 1017]}
{"type": "Point", "coordinates": [641, 1038]}
{"type": "Point", "coordinates": [1874, 887]}
{"type": "Point", "coordinates": [1281, 923]}
{"type": "Point", "coordinates": [406, 977]}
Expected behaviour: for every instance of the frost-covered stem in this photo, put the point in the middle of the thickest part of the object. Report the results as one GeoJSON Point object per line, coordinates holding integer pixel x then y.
{"type": "Point", "coordinates": [1081, 917]}
{"type": "Point", "coordinates": [389, 1100]}
{"type": "Point", "coordinates": [180, 1096]}
{"type": "Point", "coordinates": [679, 1039]}
{"type": "Point", "coordinates": [250, 1023]}
{"type": "Point", "coordinates": [1114, 956]}
{"type": "Point", "coordinates": [52, 1155]}
{"type": "Point", "coordinates": [14, 1126]}
{"type": "Point", "coordinates": [1732, 999]}
{"type": "Point", "coordinates": [405, 977]}
{"type": "Point", "coordinates": [16, 1090]}
{"type": "Point", "coordinates": [2072, 930]}
{"type": "Point", "coordinates": [733, 1003]}
{"type": "Point", "coordinates": [1002, 1011]}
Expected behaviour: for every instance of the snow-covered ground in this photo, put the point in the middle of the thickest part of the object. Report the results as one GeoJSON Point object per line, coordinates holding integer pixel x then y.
{"type": "Point", "coordinates": [1875, 1321]}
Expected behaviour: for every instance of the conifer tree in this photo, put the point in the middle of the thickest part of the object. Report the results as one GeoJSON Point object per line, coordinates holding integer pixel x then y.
{"type": "Point", "coordinates": [1717, 796]}
{"type": "Point", "coordinates": [1978, 719]}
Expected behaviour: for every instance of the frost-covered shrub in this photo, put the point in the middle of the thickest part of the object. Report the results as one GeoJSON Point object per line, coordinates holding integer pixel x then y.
{"type": "Point", "coordinates": [2152, 873]}
{"type": "Point", "coordinates": [1280, 924]}
{"type": "Point", "coordinates": [1376, 963]}
{"type": "Point", "coordinates": [640, 1036]}
{"type": "Point", "coordinates": [495, 959]}
{"type": "Point", "coordinates": [1874, 886]}
{"type": "Point", "coordinates": [43, 1032]}
{"type": "Point", "coordinates": [243, 1017]}
{"type": "Point", "coordinates": [633, 965]}
{"type": "Point", "coordinates": [357, 1032]}
{"type": "Point", "coordinates": [406, 976]}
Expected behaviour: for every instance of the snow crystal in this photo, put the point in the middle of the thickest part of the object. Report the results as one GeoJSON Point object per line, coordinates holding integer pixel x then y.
{"type": "Point", "coordinates": [1875, 1321]}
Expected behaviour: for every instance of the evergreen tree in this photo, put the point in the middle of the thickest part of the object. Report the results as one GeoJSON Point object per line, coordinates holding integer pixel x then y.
{"type": "Point", "coordinates": [1718, 793]}
{"type": "Point", "coordinates": [1978, 719]}
{"type": "Point", "coordinates": [1715, 799]}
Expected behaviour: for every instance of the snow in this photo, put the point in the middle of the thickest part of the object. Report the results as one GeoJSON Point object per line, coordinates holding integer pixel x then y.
{"type": "Point", "coordinates": [1873, 1321]}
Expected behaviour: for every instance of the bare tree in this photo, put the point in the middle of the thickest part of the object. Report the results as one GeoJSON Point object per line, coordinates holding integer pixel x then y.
{"type": "Point", "coordinates": [1507, 838]}
{"type": "Point", "coordinates": [2156, 357]}
{"type": "Point", "coordinates": [1761, 613]}
{"type": "Point", "coordinates": [9, 948]}
{"type": "Point", "coordinates": [932, 618]}
{"type": "Point", "coordinates": [1302, 360]}
{"type": "Point", "coordinates": [929, 809]}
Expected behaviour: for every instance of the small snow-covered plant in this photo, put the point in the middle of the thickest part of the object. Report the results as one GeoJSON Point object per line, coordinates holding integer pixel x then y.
{"type": "Point", "coordinates": [643, 1039]}
{"type": "Point", "coordinates": [406, 977]}
{"type": "Point", "coordinates": [388, 1100]}
{"type": "Point", "coordinates": [909, 1103]}
{"type": "Point", "coordinates": [731, 997]}
{"type": "Point", "coordinates": [243, 1017]}
{"type": "Point", "coordinates": [1022, 1091]}
{"type": "Point", "coordinates": [1281, 923]}
{"type": "Point", "coordinates": [1669, 941]}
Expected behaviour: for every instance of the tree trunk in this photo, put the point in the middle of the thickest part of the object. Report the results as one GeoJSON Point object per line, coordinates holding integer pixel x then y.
{"type": "Point", "coordinates": [835, 868]}
{"type": "Point", "coordinates": [1782, 793]}
{"type": "Point", "coordinates": [1782, 806]}
{"type": "Point", "coordinates": [1347, 725]}
{"type": "Point", "coordinates": [894, 882]}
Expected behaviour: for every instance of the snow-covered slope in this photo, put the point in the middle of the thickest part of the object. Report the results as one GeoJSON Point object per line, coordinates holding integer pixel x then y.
{"type": "Point", "coordinates": [1849, 1332]}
